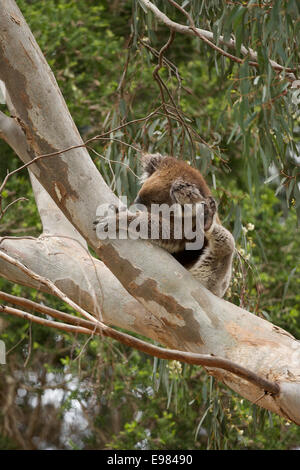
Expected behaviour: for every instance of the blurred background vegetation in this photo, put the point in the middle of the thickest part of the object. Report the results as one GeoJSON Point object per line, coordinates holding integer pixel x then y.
{"type": "Point", "coordinates": [239, 126]}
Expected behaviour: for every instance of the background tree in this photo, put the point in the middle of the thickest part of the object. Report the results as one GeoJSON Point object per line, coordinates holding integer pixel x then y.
{"type": "Point", "coordinates": [133, 97]}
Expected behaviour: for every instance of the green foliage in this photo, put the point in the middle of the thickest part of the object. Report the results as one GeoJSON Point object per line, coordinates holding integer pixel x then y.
{"type": "Point", "coordinates": [261, 115]}
{"type": "Point", "coordinates": [239, 125]}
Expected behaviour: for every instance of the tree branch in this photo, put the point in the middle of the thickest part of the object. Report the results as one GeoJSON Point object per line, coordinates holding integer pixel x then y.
{"type": "Point", "coordinates": [207, 36]}
{"type": "Point", "coordinates": [84, 279]}
{"type": "Point", "coordinates": [90, 328]}
{"type": "Point", "coordinates": [206, 40]}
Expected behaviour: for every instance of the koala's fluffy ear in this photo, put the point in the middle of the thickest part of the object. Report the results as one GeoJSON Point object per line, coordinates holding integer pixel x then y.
{"type": "Point", "coordinates": [183, 192]}
{"type": "Point", "coordinates": [150, 163]}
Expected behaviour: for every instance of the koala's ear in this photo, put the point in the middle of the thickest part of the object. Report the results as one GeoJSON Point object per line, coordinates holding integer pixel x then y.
{"type": "Point", "coordinates": [150, 163]}
{"type": "Point", "coordinates": [183, 192]}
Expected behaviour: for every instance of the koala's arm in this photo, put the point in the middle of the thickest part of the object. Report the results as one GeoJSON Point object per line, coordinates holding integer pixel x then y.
{"type": "Point", "coordinates": [214, 267]}
{"type": "Point", "coordinates": [142, 225]}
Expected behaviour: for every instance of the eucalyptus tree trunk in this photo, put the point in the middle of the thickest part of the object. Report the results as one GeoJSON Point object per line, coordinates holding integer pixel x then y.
{"type": "Point", "coordinates": [141, 287]}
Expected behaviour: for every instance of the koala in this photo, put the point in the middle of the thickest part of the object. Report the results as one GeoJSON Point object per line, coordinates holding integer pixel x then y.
{"type": "Point", "coordinates": [169, 181]}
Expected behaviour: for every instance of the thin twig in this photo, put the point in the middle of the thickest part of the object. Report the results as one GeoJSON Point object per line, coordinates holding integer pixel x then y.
{"type": "Point", "coordinates": [169, 354]}
{"type": "Point", "coordinates": [31, 305]}
{"type": "Point", "coordinates": [51, 286]}
{"type": "Point", "coordinates": [102, 329]}
{"type": "Point", "coordinates": [3, 211]}
{"type": "Point", "coordinates": [161, 84]}
{"type": "Point", "coordinates": [84, 144]}
{"type": "Point", "coordinates": [209, 35]}
{"type": "Point", "coordinates": [205, 39]}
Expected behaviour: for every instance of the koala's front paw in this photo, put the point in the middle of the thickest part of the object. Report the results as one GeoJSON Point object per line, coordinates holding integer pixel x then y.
{"type": "Point", "coordinates": [103, 226]}
{"type": "Point", "coordinates": [210, 210]}
{"type": "Point", "coordinates": [108, 220]}
{"type": "Point", "coordinates": [101, 223]}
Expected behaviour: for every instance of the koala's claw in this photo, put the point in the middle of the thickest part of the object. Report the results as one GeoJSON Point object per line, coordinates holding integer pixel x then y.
{"type": "Point", "coordinates": [101, 224]}
{"type": "Point", "coordinates": [210, 210]}
{"type": "Point", "coordinates": [113, 210]}
{"type": "Point", "coordinates": [96, 221]}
